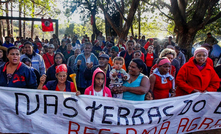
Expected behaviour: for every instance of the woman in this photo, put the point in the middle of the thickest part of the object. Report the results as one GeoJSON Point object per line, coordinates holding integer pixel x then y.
{"type": "Point", "coordinates": [3, 57]}
{"type": "Point", "coordinates": [61, 84]}
{"type": "Point", "coordinates": [149, 58]}
{"type": "Point", "coordinates": [58, 59]}
{"type": "Point", "coordinates": [170, 54]}
{"type": "Point", "coordinates": [161, 81]}
{"type": "Point", "coordinates": [197, 75]}
{"type": "Point", "coordinates": [138, 84]}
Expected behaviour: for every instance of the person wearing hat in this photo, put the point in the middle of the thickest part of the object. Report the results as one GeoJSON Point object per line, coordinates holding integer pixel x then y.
{"type": "Point", "coordinates": [61, 83]}
{"type": "Point", "coordinates": [3, 57]}
{"type": "Point", "coordinates": [96, 48]}
{"type": "Point", "coordinates": [15, 73]}
{"type": "Point", "coordinates": [36, 59]}
{"type": "Point", "coordinates": [49, 56]}
{"type": "Point", "coordinates": [211, 40]}
{"type": "Point", "coordinates": [103, 65]}
{"type": "Point", "coordinates": [114, 53]}
{"type": "Point", "coordinates": [197, 75]}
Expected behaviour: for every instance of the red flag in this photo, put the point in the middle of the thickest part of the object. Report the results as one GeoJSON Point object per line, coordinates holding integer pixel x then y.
{"type": "Point", "coordinates": [47, 25]}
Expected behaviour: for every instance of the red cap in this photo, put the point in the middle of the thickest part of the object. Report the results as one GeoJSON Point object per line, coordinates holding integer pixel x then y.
{"type": "Point", "coordinates": [61, 68]}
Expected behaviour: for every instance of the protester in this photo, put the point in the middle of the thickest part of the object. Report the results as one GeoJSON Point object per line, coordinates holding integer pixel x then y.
{"type": "Point", "coordinates": [121, 44]}
{"type": "Point", "coordinates": [180, 56]}
{"type": "Point", "coordinates": [58, 60]}
{"type": "Point", "coordinates": [98, 87]}
{"type": "Point", "coordinates": [103, 65]}
{"type": "Point", "coordinates": [100, 38]}
{"type": "Point", "coordinates": [156, 48]}
{"type": "Point", "coordinates": [36, 59]}
{"type": "Point", "coordinates": [96, 48]}
{"type": "Point", "coordinates": [143, 51]}
{"type": "Point", "coordinates": [76, 43]}
{"type": "Point", "coordinates": [107, 48]}
{"type": "Point", "coordinates": [197, 75]}
{"type": "Point", "coordinates": [128, 53]}
{"type": "Point", "coordinates": [83, 61]}
{"type": "Point", "coordinates": [71, 60]}
{"type": "Point", "coordinates": [54, 40]}
{"type": "Point", "coordinates": [149, 58]}
{"type": "Point", "coordinates": [211, 40]}
{"type": "Point", "coordinates": [138, 84]}
{"type": "Point", "coordinates": [61, 83]}
{"type": "Point", "coordinates": [169, 42]}
{"type": "Point", "coordinates": [142, 41]}
{"type": "Point", "coordinates": [65, 39]}
{"type": "Point", "coordinates": [114, 53]}
{"type": "Point", "coordinates": [49, 56]}
{"type": "Point", "coordinates": [27, 62]}
{"type": "Point", "coordinates": [15, 74]}
{"type": "Point", "coordinates": [161, 81]}
{"type": "Point", "coordinates": [7, 42]}
{"type": "Point", "coordinates": [118, 75]}
{"type": "Point", "coordinates": [3, 57]}
{"type": "Point", "coordinates": [137, 55]}
{"type": "Point", "coordinates": [63, 47]}
{"type": "Point", "coordinates": [150, 42]}
{"type": "Point", "coordinates": [69, 52]}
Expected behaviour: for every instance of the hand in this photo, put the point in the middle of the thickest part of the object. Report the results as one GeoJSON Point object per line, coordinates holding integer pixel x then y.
{"type": "Point", "coordinates": [125, 77]}
{"type": "Point", "coordinates": [78, 93]}
{"type": "Point", "coordinates": [114, 74]}
{"type": "Point", "coordinates": [196, 90]}
{"type": "Point", "coordinates": [173, 94]}
{"type": "Point", "coordinates": [123, 89]}
{"type": "Point", "coordinates": [89, 65]}
{"type": "Point", "coordinates": [43, 79]}
{"type": "Point", "coordinates": [204, 91]}
{"type": "Point", "coordinates": [79, 62]}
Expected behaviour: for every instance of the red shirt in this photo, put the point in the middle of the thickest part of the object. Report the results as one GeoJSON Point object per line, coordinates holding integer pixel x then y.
{"type": "Point", "coordinates": [57, 89]}
{"type": "Point", "coordinates": [47, 57]}
{"type": "Point", "coordinates": [149, 60]}
{"type": "Point", "coordinates": [160, 90]}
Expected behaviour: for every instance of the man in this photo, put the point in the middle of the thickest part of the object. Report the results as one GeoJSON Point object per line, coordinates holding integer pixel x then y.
{"type": "Point", "coordinates": [54, 40]}
{"type": "Point", "coordinates": [103, 65]}
{"type": "Point", "coordinates": [7, 42]}
{"type": "Point", "coordinates": [150, 42]}
{"type": "Point", "coordinates": [71, 59]}
{"type": "Point", "coordinates": [142, 41]}
{"type": "Point", "coordinates": [180, 56]}
{"type": "Point", "coordinates": [128, 53]}
{"type": "Point", "coordinates": [211, 40]}
{"type": "Point", "coordinates": [107, 48]}
{"type": "Point", "coordinates": [49, 56]}
{"type": "Point", "coordinates": [100, 38]}
{"type": "Point", "coordinates": [65, 39]}
{"type": "Point", "coordinates": [15, 74]}
{"type": "Point", "coordinates": [36, 59]}
{"type": "Point", "coordinates": [83, 61]}
{"type": "Point", "coordinates": [17, 42]}
{"type": "Point", "coordinates": [170, 42]}
{"type": "Point", "coordinates": [96, 48]}
{"type": "Point", "coordinates": [69, 52]}
{"type": "Point", "coordinates": [63, 47]}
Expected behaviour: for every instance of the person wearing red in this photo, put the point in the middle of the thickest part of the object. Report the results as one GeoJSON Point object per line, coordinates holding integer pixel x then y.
{"type": "Point", "coordinates": [161, 81]}
{"type": "Point", "coordinates": [150, 42]}
{"type": "Point", "coordinates": [98, 86]}
{"type": "Point", "coordinates": [61, 84]}
{"type": "Point", "coordinates": [49, 56]}
{"type": "Point", "coordinates": [149, 58]}
{"type": "Point", "coordinates": [121, 44]}
{"type": "Point", "coordinates": [197, 75]}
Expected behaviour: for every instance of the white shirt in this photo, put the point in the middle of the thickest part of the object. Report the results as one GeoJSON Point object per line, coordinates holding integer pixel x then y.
{"type": "Point", "coordinates": [100, 93]}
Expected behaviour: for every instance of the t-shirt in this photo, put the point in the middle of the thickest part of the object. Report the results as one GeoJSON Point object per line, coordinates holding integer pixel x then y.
{"type": "Point", "coordinates": [98, 93]}
{"type": "Point", "coordinates": [149, 60]}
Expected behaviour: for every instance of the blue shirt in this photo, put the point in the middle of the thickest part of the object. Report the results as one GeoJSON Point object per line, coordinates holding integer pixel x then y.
{"type": "Point", "coordinates": [7, 45]}
{"type": "Point", "coordinates": [132, 96]}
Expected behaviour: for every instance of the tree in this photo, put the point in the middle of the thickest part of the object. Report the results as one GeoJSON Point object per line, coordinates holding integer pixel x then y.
{"type": "Point", "coordinates": [189, 17]}
{"type": "Point", "coordinates": [122, 29]}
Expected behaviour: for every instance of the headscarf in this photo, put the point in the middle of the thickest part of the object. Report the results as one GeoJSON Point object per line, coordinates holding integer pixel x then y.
{"type": "Point", "coordinates": [61, 68]}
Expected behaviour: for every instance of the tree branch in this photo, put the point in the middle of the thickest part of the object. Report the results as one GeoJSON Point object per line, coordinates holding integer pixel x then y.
{"type": "Point", "coordinates": [5, 1]}
{"type": "Point", "coordinates": [214, 18]}
{"type": "Point", "coordinates": [118, 8]}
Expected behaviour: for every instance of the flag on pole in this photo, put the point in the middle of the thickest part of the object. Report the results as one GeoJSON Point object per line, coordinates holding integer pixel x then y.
{"type": "Point", "coordinates": [47, 25]}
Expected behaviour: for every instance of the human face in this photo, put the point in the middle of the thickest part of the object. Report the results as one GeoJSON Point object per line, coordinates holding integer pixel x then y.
{"type": "Point", "coordinates": [69, 47]}
{"type": "Point", "coordinates": [103, 62]}
{"type": "Point", "coordinates": [62, 77]}
{"type": "Point", "coordinates": [99, 80]}
{"type": "Point", "coordinates": [118, 64]}
{"type": "Point", "coordinates": [50, 50]}
{"type": "Point", "coordinates": [58, 59]}
{"type": "Point", "coordinates": [170, 57]}
{"type": "Point", "coordinates": [76, 53]}
{"type": "Point", "coordinates": [113, 53]}
{"type": "Point", "coordinates": [133, 69]}
{"type": "Point", "coordinates": [137, 47]}
{"type": "Point", "coordinates": [201, 58]}
{"type": "Point", "coordinates": [1, 54]}
{"type": "Point", "coordinates": [150, 49]}
{"type": "Point", "coordinates": [14, 56]}
{"type": "Point", "coordinates": [87, 49]}
{"type": "Point", "coordinates": [130, 45]}
{"type": "Point", "coordinates": [137, 55]}
{"type": "Point", "coordinates": [28, 49]}
{"type": "Point", "coordinates": [164, 69]}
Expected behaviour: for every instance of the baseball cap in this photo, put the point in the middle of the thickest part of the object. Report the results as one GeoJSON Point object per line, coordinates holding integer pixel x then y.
{"type": "Point", "coordinates": [115, 48]}
{"type": "Point", "coordinates": [50, 46]}
{"type": "Point", "coordinates": [104, 56]}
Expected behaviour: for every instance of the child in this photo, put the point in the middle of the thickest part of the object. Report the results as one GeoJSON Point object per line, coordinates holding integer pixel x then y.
{"type": "Point", "coordinates": [117, 75]}
{"type": "Point", "coordinates": [98, 87]}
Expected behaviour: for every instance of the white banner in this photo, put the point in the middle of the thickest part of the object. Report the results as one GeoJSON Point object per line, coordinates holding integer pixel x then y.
{"type": "Point", "coordinates": [41, 112]}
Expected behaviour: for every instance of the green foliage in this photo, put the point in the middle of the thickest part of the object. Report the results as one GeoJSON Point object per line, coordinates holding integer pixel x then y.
{"type": "Point", "coordinates": [70, 30]}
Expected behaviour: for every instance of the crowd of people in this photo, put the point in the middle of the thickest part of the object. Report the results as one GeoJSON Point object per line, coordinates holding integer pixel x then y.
{"type": "Point", "coordinates": [130, 69]}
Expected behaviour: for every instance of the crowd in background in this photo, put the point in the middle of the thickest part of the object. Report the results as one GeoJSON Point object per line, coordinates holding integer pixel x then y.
{"type": "Point", "coordinates": [130, 68]}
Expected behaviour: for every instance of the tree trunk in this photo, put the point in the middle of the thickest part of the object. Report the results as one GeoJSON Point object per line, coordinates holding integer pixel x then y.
{"type": "Point", "coordinates": [7, 20]}
{"type": "Point", "coordinates": [132, 30]}
{"type": "Point", "coordinates": [139, 22]}
{"type": "Point", "coordinates": [20, 1]}
{"type": "Point", "coordinates": [95, 30]}
{"type": "Point", "coordinates": [11, 16]}
{"type": "Point", "coordinates": [24, 23]}
{"type": "Point", "coordinates": [32, 22]}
